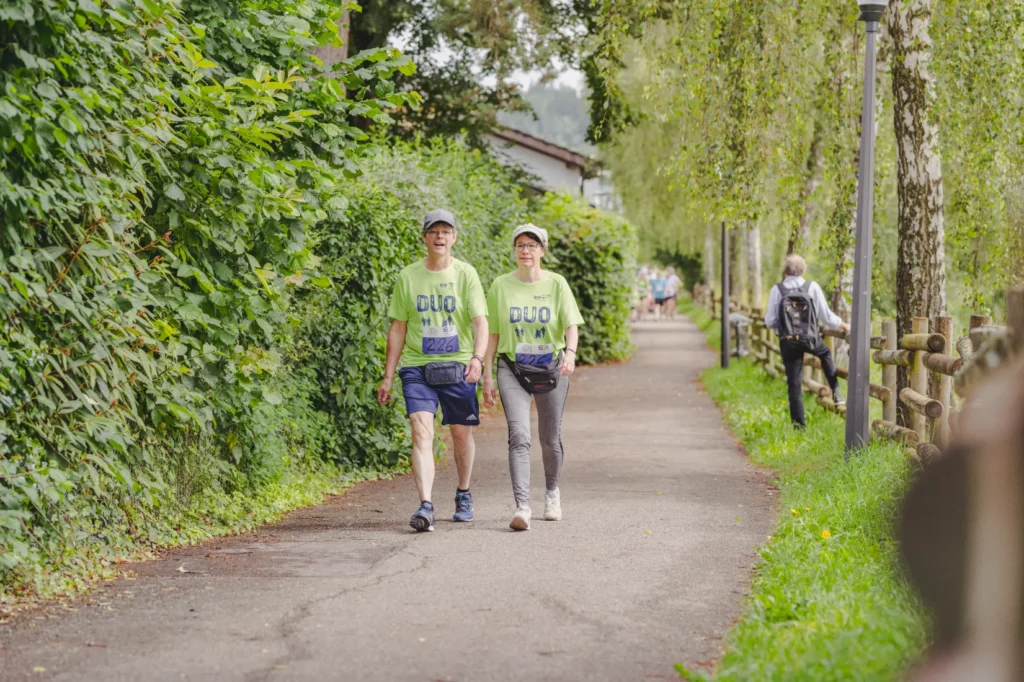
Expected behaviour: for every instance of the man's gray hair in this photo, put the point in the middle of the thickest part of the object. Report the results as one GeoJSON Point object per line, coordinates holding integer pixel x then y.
{"type": "Point", "coordinates": [796, 266]}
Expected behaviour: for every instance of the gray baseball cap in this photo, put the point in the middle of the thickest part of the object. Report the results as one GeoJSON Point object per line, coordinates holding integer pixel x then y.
{"type": "Point", "coordinates": [538, 233]}
{"type": "Point", "coordinates": [438, 216]}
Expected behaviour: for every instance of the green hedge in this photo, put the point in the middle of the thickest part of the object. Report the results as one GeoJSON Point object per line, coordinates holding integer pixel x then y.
{"type": "Point", "coordinates": [378, 234]}
{"type": "Point", "coordinates": [158, 191]}
{"type": "Point", "coordinates": [194, 270]}
{"type": "Point", "coordinates": [596, 252]}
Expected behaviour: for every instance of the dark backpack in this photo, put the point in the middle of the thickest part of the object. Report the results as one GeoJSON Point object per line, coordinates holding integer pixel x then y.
{"type": "Point", "coordinates": [798, 321]}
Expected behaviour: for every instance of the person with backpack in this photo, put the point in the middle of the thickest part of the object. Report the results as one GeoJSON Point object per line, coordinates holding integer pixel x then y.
{"type": "Point", "coordinates": [438, 336]}
{"type": "Point", "coordinates": [795, 309]}
{"type": "Point", "coordinates": [534, 323]}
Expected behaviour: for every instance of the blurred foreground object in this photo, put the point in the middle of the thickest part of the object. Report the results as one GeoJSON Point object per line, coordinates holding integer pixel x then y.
{"type": "Point", "coordinates": [961, 530]}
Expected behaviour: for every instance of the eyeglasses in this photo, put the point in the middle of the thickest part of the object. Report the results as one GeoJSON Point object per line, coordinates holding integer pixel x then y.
{"type": "Point", "coordinates": [527, 246]}
{"type": "Point", "coordinates": [439, 233]}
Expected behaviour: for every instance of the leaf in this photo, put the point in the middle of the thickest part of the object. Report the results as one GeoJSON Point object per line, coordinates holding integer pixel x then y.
{"type": "Point", "coordinates": [63, 302]}
{"type": "Point", "coordinates": [181, 412]}
{"type": "Point", "coordinates": [90, 7]}
{"type": "Point", "coordinates": [174, 192]}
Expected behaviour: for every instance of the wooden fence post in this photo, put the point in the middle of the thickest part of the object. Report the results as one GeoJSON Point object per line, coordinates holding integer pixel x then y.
{"type": "Point", "coordinates": [976, 322]}
{"type": "Point", "coordinates": [944, 385]}
{"type": "Point", "coordinates": [1015, 315]}
{"type": "Point", "coordinates": [919, 380]}
{"type": "Point", "coordinates": [889, 373]}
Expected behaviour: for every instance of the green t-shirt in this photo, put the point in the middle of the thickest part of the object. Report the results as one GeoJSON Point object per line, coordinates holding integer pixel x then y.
{"type": "Point", "coordinates": [439, 308]}
{"type": "Point", "coordinates": [530, 319]}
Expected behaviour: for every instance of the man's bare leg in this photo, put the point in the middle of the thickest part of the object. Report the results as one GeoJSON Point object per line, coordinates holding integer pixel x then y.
{"type": "Point", "coordinates": [423, 453]}
{"type": "Point", "coordinates": [465, 453]}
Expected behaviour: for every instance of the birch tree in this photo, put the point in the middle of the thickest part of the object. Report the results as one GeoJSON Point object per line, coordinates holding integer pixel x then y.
{"type": "Point", "coordinates": [921, 272]}
{"type": "Point", "coordinates": [921, 249]}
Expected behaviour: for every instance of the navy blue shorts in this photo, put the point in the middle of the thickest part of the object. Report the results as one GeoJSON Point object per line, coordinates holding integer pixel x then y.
{"type": "Point", "coordinates": [459, 405]}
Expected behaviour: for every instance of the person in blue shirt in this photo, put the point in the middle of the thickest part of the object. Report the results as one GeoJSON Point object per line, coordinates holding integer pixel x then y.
{"type": "Point", "coordinates": [659, 290]}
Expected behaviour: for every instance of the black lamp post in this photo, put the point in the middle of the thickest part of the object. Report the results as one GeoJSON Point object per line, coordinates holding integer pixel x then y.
{"type": "Point", "coordinates": [857, 405]}
{"type": "Point", "coordinates": [726, 295]}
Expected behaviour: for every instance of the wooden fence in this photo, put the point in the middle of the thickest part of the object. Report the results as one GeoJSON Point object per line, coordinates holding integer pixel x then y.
{"type": "Point", "coordinates": [944, 370]}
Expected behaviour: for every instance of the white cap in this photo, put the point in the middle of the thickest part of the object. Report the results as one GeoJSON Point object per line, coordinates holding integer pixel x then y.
{"type": "Point", "coordinates": [538, 233]}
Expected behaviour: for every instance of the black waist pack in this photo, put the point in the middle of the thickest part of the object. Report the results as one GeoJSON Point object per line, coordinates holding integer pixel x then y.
{"type": "Point", "coordinates": [438, 374]}
{"type": "Point", "coordinates": [536, 380]}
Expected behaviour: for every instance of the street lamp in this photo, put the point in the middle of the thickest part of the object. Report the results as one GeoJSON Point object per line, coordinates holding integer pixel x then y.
{"type": "Point", "coordinates": [859, 388]}
{"type": "Point", "coordinates": [726, 296]}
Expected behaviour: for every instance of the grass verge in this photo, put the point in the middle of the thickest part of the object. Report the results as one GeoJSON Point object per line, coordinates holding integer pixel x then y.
{"type": "Point", "coordinates": [828, 601]}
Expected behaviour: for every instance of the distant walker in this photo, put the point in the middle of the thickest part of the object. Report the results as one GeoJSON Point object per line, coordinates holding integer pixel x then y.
{"type": "Point", "coordinates": [795, 308]}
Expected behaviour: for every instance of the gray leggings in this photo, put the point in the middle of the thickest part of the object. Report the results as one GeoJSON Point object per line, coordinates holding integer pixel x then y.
{"type": "Point", "coordinates": [516, 401]}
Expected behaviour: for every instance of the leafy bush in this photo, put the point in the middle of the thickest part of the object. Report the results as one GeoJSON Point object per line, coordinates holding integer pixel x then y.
{"type": "Point", "coordinates": [596, 252]}
{"type": "Point", "coordinates": [343, 327]}
{"type": "Point", "coordinates": [198, 250]}
{"type": "Point", "coordinates": [593, 249]}
{"type": "Point", "coordinates": [155, 230]}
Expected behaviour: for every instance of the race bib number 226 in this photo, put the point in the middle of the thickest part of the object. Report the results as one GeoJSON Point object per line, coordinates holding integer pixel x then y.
{"type": "Point", "coordinates": [440, 340]}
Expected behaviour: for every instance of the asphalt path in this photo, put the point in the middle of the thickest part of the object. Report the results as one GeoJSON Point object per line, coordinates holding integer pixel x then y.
{"type": "Point", "coordinates": [648, 567]}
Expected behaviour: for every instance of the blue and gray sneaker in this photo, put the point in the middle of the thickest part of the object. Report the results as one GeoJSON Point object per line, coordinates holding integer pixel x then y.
{"type": "Point", "coordinates": [463, 507]}
{"type": "Point", "coordinates": [423, 519]}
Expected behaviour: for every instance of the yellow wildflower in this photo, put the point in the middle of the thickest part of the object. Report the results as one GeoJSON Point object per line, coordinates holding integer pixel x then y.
{"type": "Point", "coordinates": [826, 534]}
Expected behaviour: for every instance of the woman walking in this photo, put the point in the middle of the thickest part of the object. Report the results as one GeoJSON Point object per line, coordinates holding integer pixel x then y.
{"type": "Point", "coordinates": [534, 333]}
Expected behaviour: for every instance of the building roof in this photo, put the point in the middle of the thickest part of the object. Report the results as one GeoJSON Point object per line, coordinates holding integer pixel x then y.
{"type": "Point", "coordinates": [541, 146]}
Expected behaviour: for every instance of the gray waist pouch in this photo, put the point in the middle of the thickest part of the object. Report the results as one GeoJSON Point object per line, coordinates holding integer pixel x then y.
{"type": "Point", "coordinates": [438, 374]}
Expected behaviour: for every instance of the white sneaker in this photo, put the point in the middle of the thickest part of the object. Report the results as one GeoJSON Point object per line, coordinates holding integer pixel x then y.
{"type": "Point", "coordinates": [521, 521]}
{"type": "Point", "coordinates": [553, 506]}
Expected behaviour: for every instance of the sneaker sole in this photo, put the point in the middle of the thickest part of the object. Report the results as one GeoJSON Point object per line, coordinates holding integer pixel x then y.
{"type": "Point", "coordinates": [456, 519]}
{"type": "Point", "coordinates": [553, 517]}
{"type": "Point", "coordinates": [519, 524]}
{"type": "Point", "coordinates": [421, 525]}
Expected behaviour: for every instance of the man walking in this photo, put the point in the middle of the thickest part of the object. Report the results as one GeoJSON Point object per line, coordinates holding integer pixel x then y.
{"type": "Point", "coordinates": [795, 308]}
{"type": "Point", "coordinates": [439, 333]}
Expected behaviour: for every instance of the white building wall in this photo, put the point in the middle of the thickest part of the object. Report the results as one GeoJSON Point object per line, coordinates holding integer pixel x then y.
{"type": "Point", "coordinates": [554, 175]}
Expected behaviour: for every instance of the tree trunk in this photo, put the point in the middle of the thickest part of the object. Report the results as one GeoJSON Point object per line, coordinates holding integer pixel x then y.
{"type": "Point", "coordinates": [331, 55]}
{"type": "Point", "coordinates": [815, 166]}
{"type": "Point", "coordinates": [755, 282]}
{"type": "Point", "coordinates": [709, 255]}
{"type": "Point", "coordinates": [920, 259]}
{"type": "Point", "coordinates": [735, 284]}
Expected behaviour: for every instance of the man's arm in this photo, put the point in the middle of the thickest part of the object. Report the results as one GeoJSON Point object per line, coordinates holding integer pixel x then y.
{"type": "Point", "coordinates": [825, 314]}
{"type": "Point", "coordinates": [480, 339]}
{"type": "Point", "coordinates": [396, 341]}
{"type": "Point", "coordinates": [771, 315]}
{"type": "Point", "coordinates": [490, 395]}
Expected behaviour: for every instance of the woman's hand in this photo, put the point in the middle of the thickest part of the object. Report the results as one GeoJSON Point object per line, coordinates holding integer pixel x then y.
{"type": "Point", "coordinates": [490, 393]}
{"type": "Point", "coordinates": [568, 364]}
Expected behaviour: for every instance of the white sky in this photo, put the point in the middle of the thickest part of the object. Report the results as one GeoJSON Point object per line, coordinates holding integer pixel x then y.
{"type": "Point", "coordinates": [571, 77]}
